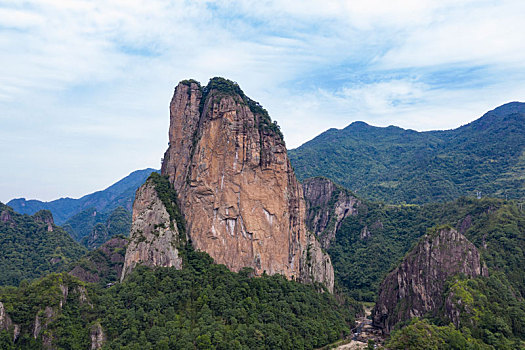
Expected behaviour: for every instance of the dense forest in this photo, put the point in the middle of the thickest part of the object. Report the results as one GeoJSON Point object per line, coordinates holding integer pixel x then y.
{"type": "Point", "coordinates": [202, 306]}
{"type": "Point", "coordinates": [405, 166]}
{"type": "Point", "coordinates": [31, 246]}
{"type": "Point", "coordinates": [92, 228]}
{"type": "Point", "coordinates": [495, 226]}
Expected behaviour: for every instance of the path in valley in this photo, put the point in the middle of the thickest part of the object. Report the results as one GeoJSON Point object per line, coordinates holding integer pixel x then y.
{"type": "Point", "coordinates": [361, 333]}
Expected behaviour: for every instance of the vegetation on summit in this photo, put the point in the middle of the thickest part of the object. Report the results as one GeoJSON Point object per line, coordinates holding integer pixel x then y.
{"type": "Point", "coordinates": [405, 166]}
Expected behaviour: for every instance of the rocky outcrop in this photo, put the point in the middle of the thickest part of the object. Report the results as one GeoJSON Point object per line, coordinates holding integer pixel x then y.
{"type": "Point", "coordinates": [327, 205]}
{"type": "Point", "coordinates": [98, 338]}
{"type": "Point", "coordinates": [236, 188]}
{"type": "Point", "coordinates": [5, 216]}
{"type": "Point", "coordinates": [417, 285]}
{"type": "Point", "coordinates": [154, 235]}
{"type": "Point", "coordinates": [5, 320]}
{"type": "Point", "coordinates": [6, 324]}
{"type": "Point", "coordinates": [45, 217]}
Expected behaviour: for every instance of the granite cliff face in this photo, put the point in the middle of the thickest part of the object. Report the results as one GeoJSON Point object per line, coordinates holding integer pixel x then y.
{"type": "Point", "coordinates": [327, 205]}
{"type": "Point", "coordinates": [417, 285]}
{"type": "Point", "coordinates": [154, 235]}
{"type": "Point", "coordinates": [237, 191]}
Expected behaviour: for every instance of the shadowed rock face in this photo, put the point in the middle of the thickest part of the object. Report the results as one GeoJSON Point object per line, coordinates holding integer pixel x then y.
{"type": "Point", "coordinates": [153, 237]}
{"type": "Point", "coordinates": [327, 205]}
{"type": "Point", "coordinates": [417, 285]}
{"type": "Point", "coordinates": [236, 188]}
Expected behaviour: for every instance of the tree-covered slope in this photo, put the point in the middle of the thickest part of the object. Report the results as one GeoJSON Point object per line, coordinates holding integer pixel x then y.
{"type": "Point", "coordinates": [92, 228]}
{"type": "Point", "coordinates": [32, 246]}
{"type": "Point", "coordinates": [202, 306]}
{"type": "Point", "coordinates": [376, 236]}
{"type": "Point", "coordinates": [120, 194]}
{"type": "Point", "coordinates": [396, 165]}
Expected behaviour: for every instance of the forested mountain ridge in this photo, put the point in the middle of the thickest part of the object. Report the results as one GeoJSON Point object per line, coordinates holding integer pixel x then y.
{"type": "Point", "coordinates": [32, 246]}
{"type": "Point", "coordinates": [120, 194]}
{"type": "Point", "coordinates": [395, 165]}
{"type": "Point", "coordinates": [372, 237]}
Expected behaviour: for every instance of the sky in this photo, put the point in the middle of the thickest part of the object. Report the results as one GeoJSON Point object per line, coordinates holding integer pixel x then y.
{"type": "Point", "coordinates": [85, 85]}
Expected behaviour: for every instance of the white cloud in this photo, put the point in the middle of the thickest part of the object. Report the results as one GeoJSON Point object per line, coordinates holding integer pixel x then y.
{"type": "Point", "coordinates": [85, 84]}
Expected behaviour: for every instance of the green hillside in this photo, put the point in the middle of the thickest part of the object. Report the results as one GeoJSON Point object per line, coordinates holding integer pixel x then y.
{"type": "Point", "coordinates": [203, 306]}
{"type": "Point", "coordinates": [405, 166]}
{"type": "Point", "coordinates": [495, 226]}
{"type": "Point", "coordinates": [92, 228]}
{"type": "Point", "coordinates": [31, 247]}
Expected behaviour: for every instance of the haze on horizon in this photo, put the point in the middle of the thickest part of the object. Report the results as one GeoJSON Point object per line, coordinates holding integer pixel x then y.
{"type": "Point", "coordinates": [86, 84]}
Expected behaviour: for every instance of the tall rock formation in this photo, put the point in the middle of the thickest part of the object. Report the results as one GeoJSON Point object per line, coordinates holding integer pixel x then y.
{"type": "Point", "coordinates": [327, 205]}
{"type": "Point", "coordinates": [417, 285]}
{"type": "Point", "coordinates": [236, 189]}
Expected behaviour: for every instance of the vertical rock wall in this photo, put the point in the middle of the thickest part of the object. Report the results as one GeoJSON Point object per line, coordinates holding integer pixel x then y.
{"type": "Point", "coordinates": [236, 187]}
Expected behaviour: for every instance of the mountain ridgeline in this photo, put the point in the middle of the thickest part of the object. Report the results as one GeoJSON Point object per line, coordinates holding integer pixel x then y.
{"type": "Point", "coordinates": [227, 250]}
{"type": "Point", "coordinates": [405, 166]}
{"type": "Point", "coordinates": [458, 263]}
{"type": "Point", "coordinates": [120, 194]}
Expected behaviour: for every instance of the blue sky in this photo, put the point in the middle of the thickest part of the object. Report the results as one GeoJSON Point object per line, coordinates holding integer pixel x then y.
{"type": "Point", "coordinates": [85, 85]}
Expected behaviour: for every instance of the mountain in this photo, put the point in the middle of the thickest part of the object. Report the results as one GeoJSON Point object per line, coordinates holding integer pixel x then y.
{"type": "Point", "coordinates": [227, 170]}
{"type": "Point", "coordinates": [443, 275]}
{"type": "Point", "coordinates": [395, 165]}
{"type": "Point", "coordinates": [120, 194]}
{"type": "Point", "coordinates": [416, 286]}
{"type": "Point", "coordinates": [32, 246]}
{"type": "Point", "coordinates": [102, 265]}
{"type": "Point", "coordinates": [443, 281]}
{"type": "Point", "coordinates": [92, 228]}
{"type": "Point", "coordinates": [202, 306]}
{"type": "Point", "coordinates": [367, 239]}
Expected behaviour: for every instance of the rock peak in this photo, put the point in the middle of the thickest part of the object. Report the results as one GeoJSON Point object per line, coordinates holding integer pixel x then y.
{"type": "Point", "coordinates": [235, 187]}
{"type": "Point", "coordinates": [416, 286]}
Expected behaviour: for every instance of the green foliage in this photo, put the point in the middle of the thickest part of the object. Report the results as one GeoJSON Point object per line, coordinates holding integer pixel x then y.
{"type": "Point", "coordinates": [496, 227]}
{"type": "Point", "coordinates": [202, 306]}
{"type": "Point", "coordinates": [65, 316]}
{"type": "Point", "coordinates": [103, 264]}
{"type": "Point", "coordinates": [29, 250]}
{"type": "Point", "coordinates": [92, 228]}
{"type": "Point", "coordinates": [490, 309]}
{"type": "Point", "coordinates": [420, 334]}
{"type": "Point", "coordinates": [405, 166]}
{"type": "Point", "coordinates": [188, 82]}
{"type": "Point", "coordinates": [168, 197]}
{"type": "Point", "coordinates": [223, 86]}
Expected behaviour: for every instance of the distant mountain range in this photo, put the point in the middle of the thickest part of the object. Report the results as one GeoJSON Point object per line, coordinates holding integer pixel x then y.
{"type": "Point", "coordinates": [120, 194]}
{"type": "Point", "coordinates": [392, 164]}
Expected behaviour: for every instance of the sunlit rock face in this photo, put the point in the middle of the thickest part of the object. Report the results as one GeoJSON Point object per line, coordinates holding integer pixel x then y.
{"type": "Point", "coordinates": [236, 188]}
{"type": "Point", "coordinates": [154, 237]}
